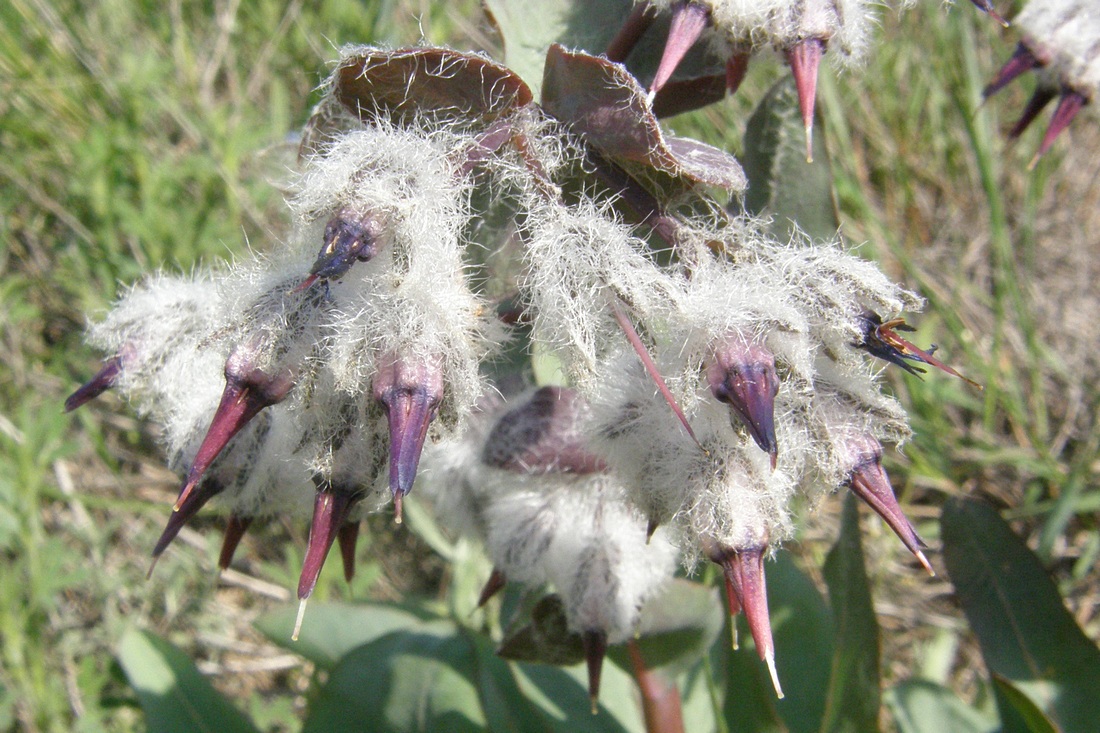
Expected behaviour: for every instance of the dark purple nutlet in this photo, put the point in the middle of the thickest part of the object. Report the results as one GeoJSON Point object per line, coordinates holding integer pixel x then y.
{"type": "Point", "coordinates": [187, 509]}
{"type": "Point", "coordinates": [331, 507]}
{"type": "Point", "coordinates": [688, 21]}
{"type": "Point", "coordinates": [410, 392]}
{"type": "Point", "coordinates": [867, 479]}
{"type": "Point", "coordinates": [1068, 107]}
{"type": "Point", "coordinates": [348, 537]}
{"type": "Point", "coordinates": [493, 585]}
{"type": "Point", "coordinates": [105, 379]}
{"type": "Point", "coordinates": [595, 649]}
{"type": "Point", "coordinates": [1022, 61]}
{"type": "Point", "coordinates": [248, 390]}
{"type": "Point", "coordinates": [350, 236]}
{"type": "Point", "coordinates": [743, 376]}
{"type": "Point", "coordinates": [746, 590]}
{"type": "Point", "coordinates": [541, 436]}
{"type": "Point", "coordinates": [234, 531]}
{"type": "Point", "coordinates": [805, 59]}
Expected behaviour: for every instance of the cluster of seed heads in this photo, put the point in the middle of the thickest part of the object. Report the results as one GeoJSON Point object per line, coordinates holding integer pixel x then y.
{"type": "Point", "coordinates": [715, 372]}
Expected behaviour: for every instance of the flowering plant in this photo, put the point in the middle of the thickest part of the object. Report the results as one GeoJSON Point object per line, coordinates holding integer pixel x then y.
{"type": "Point", "coordinates": [713, 367]}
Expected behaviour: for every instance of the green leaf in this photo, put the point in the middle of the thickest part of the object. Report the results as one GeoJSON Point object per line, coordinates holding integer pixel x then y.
{"type": "Point", "coordinates": [173, 693]}
{"type": "Point", "coordinates": [562, 694]}
{"type": "Point", "coordinates": [920, 706]}
{"type": "Point", "coordinates": [852, 702]}
{"type": "Point", "coordinates": [802, 625]}
{"type": "Point", "coordinates": [403, 682]}
{"type": "Point", "coordinates": [331, 630]}
{"type": "Point", "coordinates": [1026, 635]}
{"type": "Point", "coordinates": [782, 184]}
{"type": "Point", "coordinates": [1028, 717]}
{"type": "Point", "coordinates": [676, 627]}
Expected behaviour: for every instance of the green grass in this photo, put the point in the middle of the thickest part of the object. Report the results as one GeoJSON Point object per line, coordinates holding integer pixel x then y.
{"type": "Point", "coordinates": [139, 136]}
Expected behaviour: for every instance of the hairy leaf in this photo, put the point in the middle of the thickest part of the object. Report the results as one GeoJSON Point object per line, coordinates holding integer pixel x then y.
{"type": "Point", "coordinates": [920, 706]}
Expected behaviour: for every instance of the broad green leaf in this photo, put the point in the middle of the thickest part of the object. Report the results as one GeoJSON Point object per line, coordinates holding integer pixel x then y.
{"type": "Point", "coordinates": [782, 184]}
{"type": "Point", "coordinates": [1026, 635]}
{"type": "Point", "coordinates": [506, 707]}
{"type": "Point", "coordinates": [676, 627]}
{"type": "Point", "coordinates": [404, 682]}
{"type": "Point", "coordinates": [1025, 716]}
{"type": "Point", "coordinates": [331, 630]}
{"type": "Point", "coordinates": [920, 706]}
{"type": "Point", "coordinates": [173, 693]}
{"type": "Point", "coordinates": [852, 703]}
{"type": "Point", "coordinates": [802, 625]}
{"type": "Point", "coordinates": [562, 694]}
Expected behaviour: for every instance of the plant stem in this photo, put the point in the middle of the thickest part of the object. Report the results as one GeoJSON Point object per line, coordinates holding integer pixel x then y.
{"type": "Point", "coordinates": [660, 696]}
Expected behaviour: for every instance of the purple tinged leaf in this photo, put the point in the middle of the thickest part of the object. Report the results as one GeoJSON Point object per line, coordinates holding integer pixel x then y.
{"type": "Point", "coordinates": [742, 375]}
{"type": "Point", "coordinates": [404, 84]}
{"type": "Point", "coordinates": [1039, 100]}
{"type": "Point", "coordinates": [595, 649]}
{"type": "Point", "coordinates": [234, 531]}
{"type": "Point", "coordinates": [604, 102]}
{"type": "Point", "coordinates": [688, 21]}
{"type": "Point", "coordinates": [105, 379]}
{"type": "Point", "coordinates": [805, 59]}
{"type": "Point", "coordinates": [867, 479]}
{"type": "Point", "coordinates": [1068, 107]}
{"type": "Point", "coordinates": [1022, 61]}
{"type": "Point", "coordinates": [685, 95]}
{"type": "Point", "coordinates": [410, 394]}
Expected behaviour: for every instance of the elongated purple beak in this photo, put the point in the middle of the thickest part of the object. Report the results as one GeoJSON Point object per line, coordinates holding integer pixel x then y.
{"type": "Point", "coordinates": [410, 393]}
{"type": "Point", "coordinates": [247, 392]}
{"type": "Point", "coordinates": [104, 380]}
{"type": "Point", "coordinates": [742, 375]}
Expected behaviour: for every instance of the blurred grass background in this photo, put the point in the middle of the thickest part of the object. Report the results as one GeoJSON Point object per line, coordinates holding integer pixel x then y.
{"type": "Point", "coordinates": [141, 135]}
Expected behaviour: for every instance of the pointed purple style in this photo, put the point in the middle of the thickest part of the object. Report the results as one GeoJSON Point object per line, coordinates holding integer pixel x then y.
{"type": "Point", "coordinates": [651, 369]}
{"type": "Point", "coordinates": [105, 379]}
{"type": "Point", "coordinates": [595, 649]}
{"type": "Point", "coordinates": [867, 479]}
{"type": "Point", "coordinates": [234, 531]}
{"type": "Point", "coordinates": [737, 65]}
{"type": "Point", "coordinates": [688, 21]}
{"type": "Point", "coordinates": [348, 537]}
{"type": "Point", "coordinates": [719, 558]}
{"type": "Point", "coordinates": [1022, 61]}
{"type": "Point", "coordinates": [1039, 100]}
{"type": "Point", "coordinates": [744, 572]}
{"type": "Point", "coordinates": [493, 585]}
{"type": "Point", "coordinates": [330, 511]}
{"type": "Point", "coordinates": [1068, 107]}
{"type": "Point", "coordinates": [805, 59]}
{"type": "Point", "coordinates": [248, 390]}
{"type": "Point", "coordinates": [987, 7]}
{"type": "Point", "coordinates": [206, 491]}
{"type": "Point", "coordinates": [410, 392]}
{"type": "Point", "coordinates": [742, 375]}
{"type": "Point", "coordinates": [632, 30]}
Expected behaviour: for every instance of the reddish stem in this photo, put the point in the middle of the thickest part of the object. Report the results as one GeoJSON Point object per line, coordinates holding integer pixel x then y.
{"type": "Point", "coordinates": [660, 696]}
